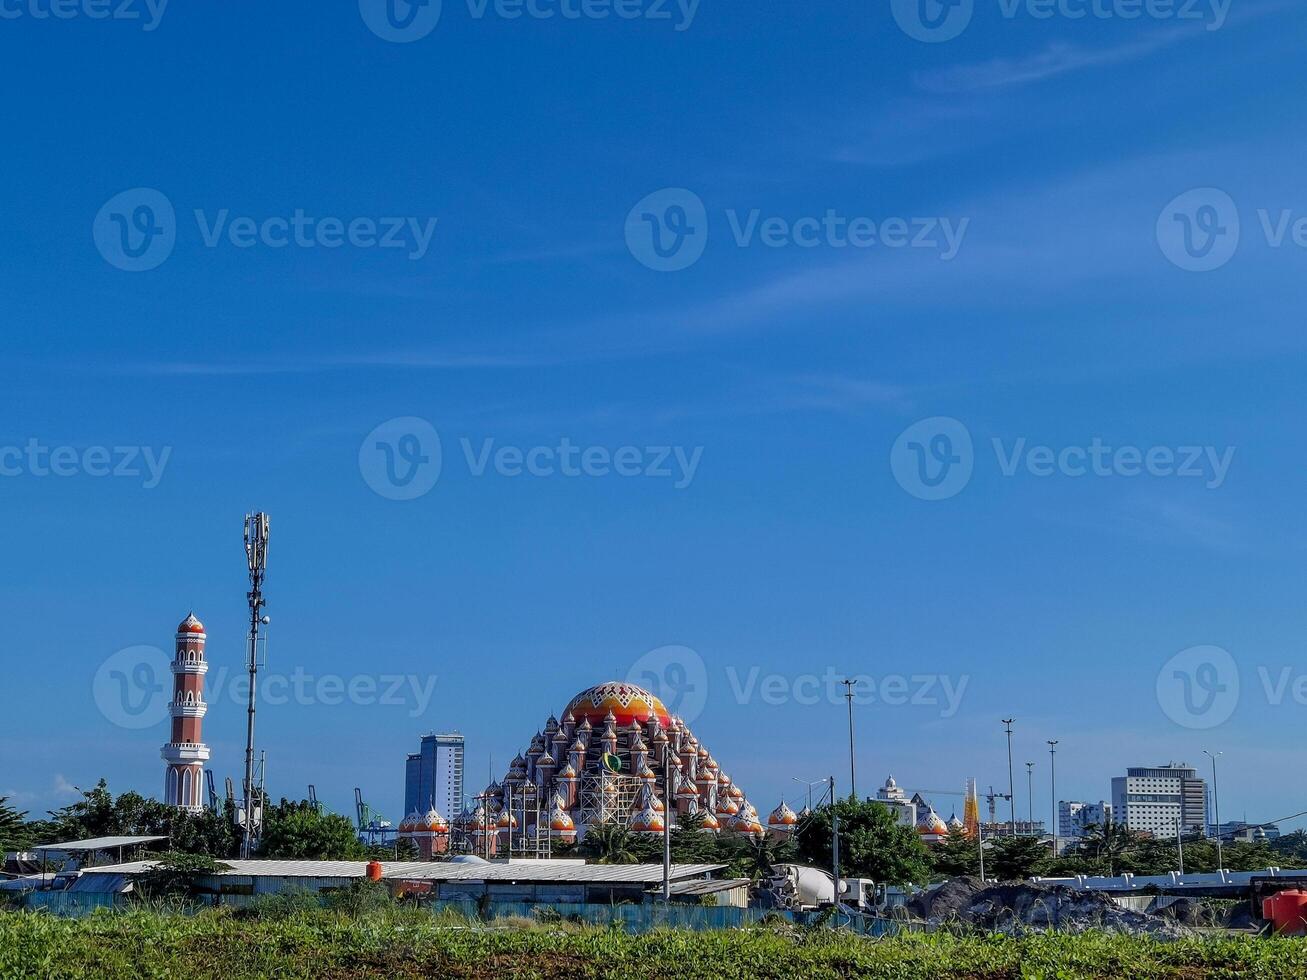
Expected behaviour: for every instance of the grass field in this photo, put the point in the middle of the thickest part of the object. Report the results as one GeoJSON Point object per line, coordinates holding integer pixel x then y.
{"type": "Point", "coordinates": [141, 945]}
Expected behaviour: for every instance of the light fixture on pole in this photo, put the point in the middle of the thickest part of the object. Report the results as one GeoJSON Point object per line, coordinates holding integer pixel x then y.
{"type": "Point", "coordinates": [1052, 786]}
{"type": "Point", "coordinates": [853, 773]}
{"type": "Point", "coordinates": [1216, 803]}
{"type": "Point", "coordinates": [1030, 795]}
{"type": "Point", "coordinates": [1011, 788]}
{"type": "Point", "coordinates": [810, 784]}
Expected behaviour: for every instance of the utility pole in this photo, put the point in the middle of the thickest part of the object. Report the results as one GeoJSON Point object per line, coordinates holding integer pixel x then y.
{"type": "Point", "coordinates": [1179, 844]}
{"type": "Point", "coordinates": [1052, 786]}
{"type": "Point", "coordinates": [1011, 788]}
{"type": "Point", "coordinates": [1216, 802]}
{"type": "Point", "coordinates": [853, 773]}
{"type": "Point", "coordinates": [669, 807]}
{"type": "Point", "coordinates": [256, 555]}
{"type": "Point", "coordinates": [1030, 795]}
{"type": "Point", "coordinates": [835, 846]}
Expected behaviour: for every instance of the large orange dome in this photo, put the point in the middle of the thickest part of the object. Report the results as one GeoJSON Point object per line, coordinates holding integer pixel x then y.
{"type": "Point", "coordinates": [627, 702]}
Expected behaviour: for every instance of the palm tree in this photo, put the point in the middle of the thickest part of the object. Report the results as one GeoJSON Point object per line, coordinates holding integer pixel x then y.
{"type": "Point", "coordinates": [611, 844]}
{"type": "Point", "coordinates": [13, 829]}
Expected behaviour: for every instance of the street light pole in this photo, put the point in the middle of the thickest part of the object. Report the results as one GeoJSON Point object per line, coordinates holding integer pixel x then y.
{"type": "Point", "coordinates": [1052, 784]}
{"type": "Point", "coordinates": [1030, 795]}
{"type": "Point", "coordinates": [853, 774]}
{"type": "Point", "coordinates": [1011, 788]}
{"type": "Point", "coordinates": [1216, 802]}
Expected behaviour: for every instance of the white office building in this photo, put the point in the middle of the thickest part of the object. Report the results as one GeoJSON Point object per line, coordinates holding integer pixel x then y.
{"type": "Point", "coordinates": [1161, 800]}
{"type": "Point", "coordinates": [1075, 817]}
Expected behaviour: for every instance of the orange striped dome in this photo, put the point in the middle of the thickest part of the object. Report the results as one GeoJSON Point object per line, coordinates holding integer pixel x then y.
{"type": "Point", "coordinates": [627, 703]}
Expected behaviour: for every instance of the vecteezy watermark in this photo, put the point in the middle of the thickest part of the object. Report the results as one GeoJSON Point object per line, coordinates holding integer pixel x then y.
{"type": "Point", "coordinates": [148, 13]}
{"type": "Point", "coordinates": [1199, 687]}
{"type": "Point", "coordinates": [667, 231]}
{"type": "Point", "coordinates": [136, 231]}
{"type": "Point", "coordinates": [400, 21]}
{"type": "Point", "coordinates": [678, 676]}
{"type": "Point", "coordinates": [401, 459]}
{"type": "Point", "coordinates": [890, 690]}
{"type": "Point", "coordinates": [35, 459]}
{"type": "Point", "coordinates": [1201, 230]}
{"type": "Point", "coordinates": [934, 21]}
{"type": "Point", "coordinates": [133, 688]}
{"type": "Point", "coordinates": [933, 460]}
{"type": "Point", "coordinates": [404, 21]}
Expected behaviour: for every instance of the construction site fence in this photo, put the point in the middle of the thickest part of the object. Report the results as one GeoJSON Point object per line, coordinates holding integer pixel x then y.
{"type": "Point", "coordinates": [631, 918]}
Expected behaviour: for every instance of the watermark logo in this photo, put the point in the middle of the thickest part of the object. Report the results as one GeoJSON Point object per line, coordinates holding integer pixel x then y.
{"type": "Point", "coordinates": [36, 459]}
{"type": "Point", "coordinates": [400, 21]}
{"type": "Point", "coordinates": [149, 13]}
{"type": "Point", "coordinates": [1198, 688]}
{"type": "Point", "coordinates": [1199, 230]}
{"type": "Point", "coordinates": [667, 230]}
{"type": "Point", "coordinates": [933, 459]}
{"type": "Point", "coordinates": [401, 459]}
{"type": "Point", "coordinates": [136, 230]}
{"type": "Point", "coordinates": [677, 675]}
{"type": "Point", "coordinates": [932, 21]}
{"type": "Point", "coordinates": [132, 688]}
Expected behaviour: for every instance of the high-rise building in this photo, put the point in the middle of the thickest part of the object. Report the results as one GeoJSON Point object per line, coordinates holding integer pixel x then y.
{"type": "Point", "coordinates": [1161, 800]}
{"type": "Point", "coordinates": [1075, 817]}
{"type": "Point", "coordinates": [186, 753]}
{"type": "Point", "coordinates": [433, 776]}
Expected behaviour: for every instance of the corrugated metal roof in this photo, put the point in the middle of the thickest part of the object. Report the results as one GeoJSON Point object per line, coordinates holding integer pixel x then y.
{"type": "Point", "coordinates": [543, 871]}
{"type": "Point", "coordinates": [708, 887]}
{"type": "Point", "coordinates": [98, 843]}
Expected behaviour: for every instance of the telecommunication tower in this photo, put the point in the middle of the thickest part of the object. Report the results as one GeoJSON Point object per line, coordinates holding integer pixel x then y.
{"type": "Point", "coordinates": [256, 555]}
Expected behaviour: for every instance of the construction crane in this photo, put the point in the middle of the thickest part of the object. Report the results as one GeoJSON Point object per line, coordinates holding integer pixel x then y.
{"type": "Point", "coordinates": [313, 798]}
{"type": "Point", "coordinates": [372, 826]}
{"type": "Point", "coordinates": [992, 798]}
{"type": "Point", "coordinates": [213, 792]}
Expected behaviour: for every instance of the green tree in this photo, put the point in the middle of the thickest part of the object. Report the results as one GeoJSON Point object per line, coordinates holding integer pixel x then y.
{"type": "Point", "coordinates": [955, 855]}
{"type": "Point", "coordinates": [1015, 858]}
{"type": "Point", "coordinates": [99, 814]}
{"type": "Point", "coordinates": [610, 844]}
{"type": "Point", "coordinates": [297, 830]}
{"type": "Point", "coordinates": [15, 831]}
{"type": "Point", "coordinates": [177, 874]}
{"type": "Point", "coordinates": [873, 844]}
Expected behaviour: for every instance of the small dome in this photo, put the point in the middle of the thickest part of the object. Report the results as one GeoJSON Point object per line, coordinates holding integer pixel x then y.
{"type": "Point", "coordinates": [782, 816]}
{"type": "Point", "coordinates": [506, 820]}
{"type": "Point", "coordinates": [708, 822]}
{"type": "Point", "coordinates": [648, 821]}
{"type": "Point", "coordinates": [745, 824]}
{"type": "Point", "coordinates": [433, 821]}
{"type": "Point", "coordinates": [190, 625]}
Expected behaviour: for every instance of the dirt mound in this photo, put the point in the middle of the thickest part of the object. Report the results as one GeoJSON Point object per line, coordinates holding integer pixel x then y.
{"type": "Point", "coordinates": [1020, 907]}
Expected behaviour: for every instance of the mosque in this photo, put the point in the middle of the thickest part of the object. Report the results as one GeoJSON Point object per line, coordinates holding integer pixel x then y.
{"type": "Point", "coordinates": [617, 758]}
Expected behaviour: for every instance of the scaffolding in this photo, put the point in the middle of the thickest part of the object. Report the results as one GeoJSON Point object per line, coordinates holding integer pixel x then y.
{"type": "Point", "coordinates": [607, 797]}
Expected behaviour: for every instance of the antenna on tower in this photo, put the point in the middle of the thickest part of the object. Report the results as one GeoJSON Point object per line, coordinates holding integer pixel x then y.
{"type": "Point", "coordinates": [256, 555]}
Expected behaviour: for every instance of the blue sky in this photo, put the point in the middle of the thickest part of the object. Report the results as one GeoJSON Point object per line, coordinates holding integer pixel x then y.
{"type": "Point", "coordinates": [529, 313]}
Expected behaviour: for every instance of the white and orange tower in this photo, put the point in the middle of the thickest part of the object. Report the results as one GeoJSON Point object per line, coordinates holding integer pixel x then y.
{"type": "Point", "coordinates": [185, 755]}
